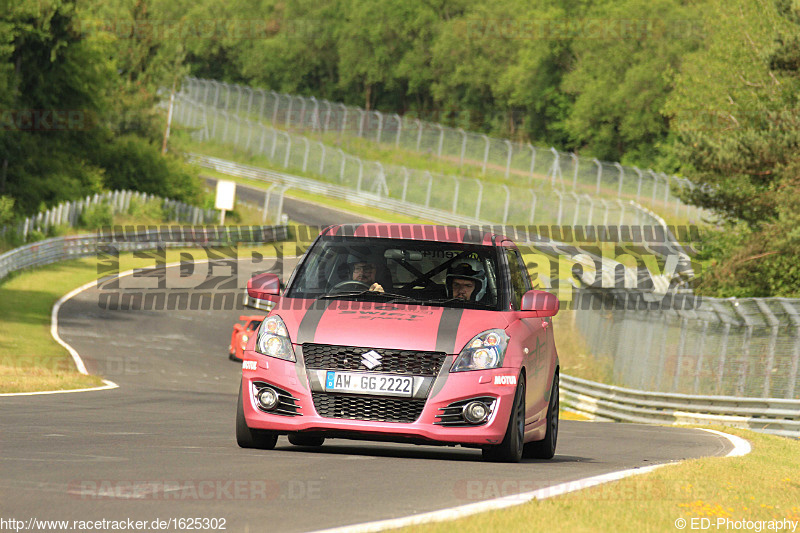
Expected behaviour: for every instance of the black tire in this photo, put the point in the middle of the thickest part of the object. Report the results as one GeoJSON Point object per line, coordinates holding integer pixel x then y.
{"type": "Point", "coordinates": [510, 450]}
{"type": "Point", "coordinates": [298, 439]}
{"type": "Point", "coordinates": [546, 448]}
{"type": "Point", "coordinates": [251, 438]}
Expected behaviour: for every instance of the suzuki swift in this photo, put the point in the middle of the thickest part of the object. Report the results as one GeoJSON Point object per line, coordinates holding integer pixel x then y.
{"type": "Point", "coordinates": [404, 333]}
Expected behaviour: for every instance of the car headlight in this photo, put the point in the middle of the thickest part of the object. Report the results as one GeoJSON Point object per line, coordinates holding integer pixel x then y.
{"type": "Point", "coordinates": [273, 340]}
{"type": "Point", "coordinates": [485, 350]}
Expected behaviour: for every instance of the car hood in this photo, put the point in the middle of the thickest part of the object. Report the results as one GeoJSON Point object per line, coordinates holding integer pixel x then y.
{"type": "Point", "coordinates": [380, 325]}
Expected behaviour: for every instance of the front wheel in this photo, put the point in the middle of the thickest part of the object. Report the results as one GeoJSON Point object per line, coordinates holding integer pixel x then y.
{"type": "Point", "coordinates": [251, 438]}
{"type": "Point", "coordinates": [546, 448]}
{"type": "Point", "coordinates": [510, 450]}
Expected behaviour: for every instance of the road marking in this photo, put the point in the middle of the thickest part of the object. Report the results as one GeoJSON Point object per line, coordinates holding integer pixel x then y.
{"type": "Point", "coordinates": [740, 447]}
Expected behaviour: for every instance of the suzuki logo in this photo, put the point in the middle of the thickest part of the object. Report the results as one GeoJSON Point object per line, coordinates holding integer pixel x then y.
{"type": "Point", "coordinates": [371, 359]}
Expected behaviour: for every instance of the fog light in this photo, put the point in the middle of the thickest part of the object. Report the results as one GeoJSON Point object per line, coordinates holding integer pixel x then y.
{"type": "Point", "coordinates": [476, 412]}
{"type": "Point", "coordinates": [267, 398]}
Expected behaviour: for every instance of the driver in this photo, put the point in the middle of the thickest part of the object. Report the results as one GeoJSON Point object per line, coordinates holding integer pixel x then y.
{"type": "Point", "coordinates": [364, 270]}
{"type": "Point", "coordinates": [466, 280]}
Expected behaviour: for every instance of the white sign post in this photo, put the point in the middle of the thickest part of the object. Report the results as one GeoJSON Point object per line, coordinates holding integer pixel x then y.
{"type": "Point", "coordinates": [226, 194]}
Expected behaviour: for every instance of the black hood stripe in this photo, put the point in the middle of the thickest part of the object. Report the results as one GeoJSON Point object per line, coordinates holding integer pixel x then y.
{"type": "Point", "coordinates": [308, 326]}
{"type": "Point", "coordinates": [448, 328]}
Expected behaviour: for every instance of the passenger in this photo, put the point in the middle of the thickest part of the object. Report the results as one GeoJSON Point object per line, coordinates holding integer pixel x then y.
{"type": "Point", "coordinates": [466, 280]}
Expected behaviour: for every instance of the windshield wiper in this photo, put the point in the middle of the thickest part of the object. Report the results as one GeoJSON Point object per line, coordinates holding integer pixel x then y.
{"type": "Point", "coordinates": [355, 294]}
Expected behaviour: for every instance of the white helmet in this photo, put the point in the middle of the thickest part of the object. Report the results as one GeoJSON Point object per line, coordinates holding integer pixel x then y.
{"type": "Point", "coordinates": [471, 269]}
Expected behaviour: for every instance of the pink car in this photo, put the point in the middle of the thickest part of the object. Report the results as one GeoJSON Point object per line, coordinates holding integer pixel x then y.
{"type": "Point", "coordinates": [404, 333]}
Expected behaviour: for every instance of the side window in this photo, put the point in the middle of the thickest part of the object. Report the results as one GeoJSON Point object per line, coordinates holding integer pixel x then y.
{"type": "Point", "coordinates": [519, 281]}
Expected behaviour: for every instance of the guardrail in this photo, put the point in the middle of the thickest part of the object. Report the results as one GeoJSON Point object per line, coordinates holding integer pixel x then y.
{"type": "Point", "coordinates": [607, 402]}
{"type": "Point", "coordinates": [71, 247]}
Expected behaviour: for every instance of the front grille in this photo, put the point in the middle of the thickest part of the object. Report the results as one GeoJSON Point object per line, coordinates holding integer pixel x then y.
{"type": "Point", "coordinates": [332, 357]}
{"type": "Point", "coordinates": [287, 404]}
{"type": "Point", "coordinates": [378, 409]}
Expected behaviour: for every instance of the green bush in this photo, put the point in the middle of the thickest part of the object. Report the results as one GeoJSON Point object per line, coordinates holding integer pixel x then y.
{"type": "Point", "coordinates": [150, 210]}
{"type": "Point", "coordinates": [97, 216]}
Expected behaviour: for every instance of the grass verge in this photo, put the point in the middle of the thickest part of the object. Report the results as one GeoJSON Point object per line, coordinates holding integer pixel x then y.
{"type": "Point", "coordinates": [30, 359]}
{"type": "Point", "coordinates": [761, 486]}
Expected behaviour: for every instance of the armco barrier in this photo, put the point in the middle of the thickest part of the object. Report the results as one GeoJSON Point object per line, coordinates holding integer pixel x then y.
{"type": "Point", "coordinates": [61, 248]}
{"type": "Point", "coordinates": [607, 402]}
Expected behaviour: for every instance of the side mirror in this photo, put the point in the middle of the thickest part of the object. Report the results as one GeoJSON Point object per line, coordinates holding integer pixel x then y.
{"type": "Point", "coordinates": [541, 302]}
{"type": "Point", "coordinates": [266, 286]}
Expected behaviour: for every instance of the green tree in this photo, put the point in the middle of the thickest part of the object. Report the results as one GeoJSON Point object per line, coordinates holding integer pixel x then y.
{"type": "Point", "coordinates": [627, 55]}
{"type": "Point", "coordinates": [736, 114]}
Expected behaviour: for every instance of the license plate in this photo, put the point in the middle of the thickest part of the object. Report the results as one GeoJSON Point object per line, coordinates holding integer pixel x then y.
{"type": "Point", "coordinates": [361, 383]}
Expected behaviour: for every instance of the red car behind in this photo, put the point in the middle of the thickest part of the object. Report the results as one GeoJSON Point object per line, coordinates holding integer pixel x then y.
{"type": "Point", "coordinates": [241, 334]}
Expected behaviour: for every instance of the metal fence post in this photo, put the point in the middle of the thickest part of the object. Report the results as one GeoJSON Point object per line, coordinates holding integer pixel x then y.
{"type": "Point", "coordinates": [419, 133]}
{"type": "Point", "coordinates": [639, 185]}
{"type": "Point", "coordinates": [560, 206]}
{"type": "Point", "coordinates": [305, 153]}
{"type": "Point", "coordinates": [315, 115]}
{"type": "Point", "coordinates": [555, 169]}
{"type": "Point", "coordinates": [275, 108]}
{"type": "Point", "coordinates": [327, 116]}
{"type": "Point", "coordinates": [773, 323]}
{"type": "Point", "coordinates": [621, 178]}
{"type": "Point", "coordinates": [399, 130]}
{"type": "Point", "coordinates": [533, 160]}
{"type": "Point", "coordinates": [360, 122]}
{"type": "Point", "coordinates": [700, 356]}
{"type": "Point", "coordinates": [301, 122]}
{"type": "Point", "coordinates": [533, 207]}
{"type": "Point", "coordinates": [574, 171]}
{"type": "Point", "coordinates": [322, 159]}
{"type": "Point", "coordinates": [380, 126]}
{"type": "Point", "coordinates": [430, 185]}
{"type": "Point", "coordinates": [655, 188]}
{"type": "Point", "coordinates": [288, 151]}
{"type": "Point", "coordinates": [441, 141]}
{"type": "Point", "coordinates": [794, 322]}
{"type": "Point", "coordinates": [360, 172]}
{"type": "Point", "coordinates": [508, 203]}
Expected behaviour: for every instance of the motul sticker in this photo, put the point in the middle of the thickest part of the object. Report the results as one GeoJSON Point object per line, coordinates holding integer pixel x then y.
{"type": "Point", "coordinates": [249, 365]}
{"type": "Point", "coordinates": [505, 380]}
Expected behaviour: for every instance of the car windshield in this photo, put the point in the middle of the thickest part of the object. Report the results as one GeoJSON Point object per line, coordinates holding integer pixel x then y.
{"type": "Point", "coordinates": [400, 271]}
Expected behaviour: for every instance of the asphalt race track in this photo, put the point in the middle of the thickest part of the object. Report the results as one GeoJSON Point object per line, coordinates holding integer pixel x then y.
{"type": "Point", "coordinates": [162, 445]}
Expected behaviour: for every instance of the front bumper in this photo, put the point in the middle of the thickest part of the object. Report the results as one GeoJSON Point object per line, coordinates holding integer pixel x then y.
{"type": "Point", "coordinates": [447, 388]}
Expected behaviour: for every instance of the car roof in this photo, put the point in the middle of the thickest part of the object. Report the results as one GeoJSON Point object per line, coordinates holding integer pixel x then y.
{"type": "Point", "coordinates": [482, 235]}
